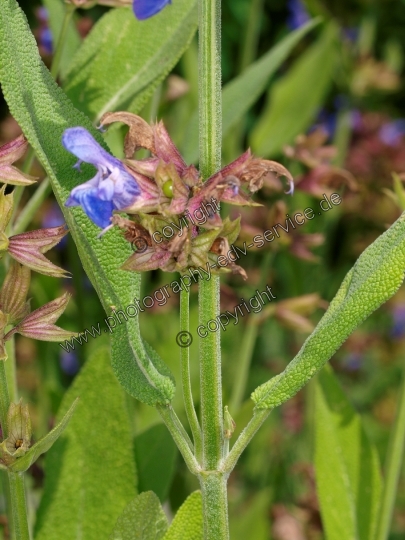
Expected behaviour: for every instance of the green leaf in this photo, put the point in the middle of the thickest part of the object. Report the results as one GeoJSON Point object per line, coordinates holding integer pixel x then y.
{"type": "Point", "coordinates": [376, 276]}
{"type": "Point", "coordinates": [43, 111]}
{"type": "Point", "coordinates": [243, 91]}
{"type": "Point", "coordinates": [89, 472]}
{"type": "Point", "coordinates": [56, 12]}
{"type": "Point", "coordinates": [347, 465]}
{"type": "Point", "coordinates": [295, 99]}
{"type": "Point", "coordinates": [142, 519]}
{"type": "Point", "coordinates": [44, 444]}
{"type": "Point", "coordinates": [123, 60]}
{"type": "Point", "coordinates": [155, 453]}
{"type": "Point", "coordinates": [188, 522]}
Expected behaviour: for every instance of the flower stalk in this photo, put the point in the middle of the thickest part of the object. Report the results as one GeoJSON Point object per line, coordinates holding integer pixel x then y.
{"type": "Point", "coordinates": [213, 484]}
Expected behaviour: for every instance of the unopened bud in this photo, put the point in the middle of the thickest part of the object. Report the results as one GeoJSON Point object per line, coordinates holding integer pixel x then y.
{"type": "Point", "coordinates": [229, 424]}
{"type": "Point", "coordinates": [19, 433]}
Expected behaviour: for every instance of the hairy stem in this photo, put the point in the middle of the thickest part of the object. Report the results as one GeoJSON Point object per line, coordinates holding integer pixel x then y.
{"type": "Point", "coordinates": [210, 162]}
{"type": "Point", "coordinates": [18, 511]}
{"type": "Point", "coordinates": [393, 468]}
{"type": "Point", "coordinates": [172, 423]}
{"type": "Point", "coordinates": [185, 377]}
{"type": "Point", "coordinates": [213, 484]}
{"type": "Point", "coordinates": [215, 505]}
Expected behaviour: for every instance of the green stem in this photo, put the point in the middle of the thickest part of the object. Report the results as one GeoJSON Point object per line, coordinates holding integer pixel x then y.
{"type": "Point", "coordinates": [394, 458]}
{"type": "Point", "coordinates": [70, 9]}
{"type": "Point", "coordinates": [213, 484]}
{"type": "Point", "coordinates": [210, 162]}
{"type": "Point", "coordinates": [19, 190]}
{"type": "Point", "coordinates": [185, 377]}
{"type": "Point", "coordinates": [31, 208]}
{"type": "Point", "coordinates": [19, 506]}
{"type": "Point", "coordinates": [215, 505]}
{"type": "Point", "coordinates": [252, 33]}
{"type": "Point", "coordinates": [10, 369]}
{"type": "Point", "coordinates": [18, 510]}
{"type": "Point", "coordinates": [172, 423]}
{"type": "Point", "coordinates": [243, 440]}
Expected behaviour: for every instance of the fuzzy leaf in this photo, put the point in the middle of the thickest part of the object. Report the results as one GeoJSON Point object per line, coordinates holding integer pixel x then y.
{"type": "Point", "coordinates": [142, 519]}
{"type": "Point", "coordinates": [188, 522]}
{"type": "Point", "coordinates": [124, 59]}
{"type": "Point", "coordinates": [242, 92]}
{"type": "Point", "coordinates": [43, 111]}
{"type": "Point", "coordinates": [89, 472]}
{"type": "Point", "coordinates": [347, 465]}
{"type": "Point", "coordinates": [376, 276]}
{"type": "Point", "coordinates": [300, 92]}
{"type": "Point", "coordinates": [44, 444]}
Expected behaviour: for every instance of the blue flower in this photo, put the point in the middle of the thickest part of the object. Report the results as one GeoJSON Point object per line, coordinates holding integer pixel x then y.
{"type": "Point", "coordinates": [113, 188]}
{"type": "Point", "coordinates": [298, 15]}
{"type": "Point", "coordinates": [144, 9]}
{"type": "Point", "coordinates": [391, 133]}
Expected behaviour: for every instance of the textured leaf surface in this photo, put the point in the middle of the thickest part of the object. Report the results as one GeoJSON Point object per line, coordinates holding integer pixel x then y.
{"type": "Point", "coordinates": [43, 111]}
{"type": "Point", "coordinates": [89, 472]}
{"type": "Point", "coordinates": [188, 522]}
{"type": "Point", "coordinates": [142, 519]}
{"type": "Point", "coordinates": [56, 12]}
{"type": "Point", "coordinates": [125, 59]}
{"type": "Point", "coordinates": [243, 91]}
{"type": "Point", "coordinates": [155, 453]}
{"type": "Point", "coordinates": [295, 99]}
{"type": "Point", "coordinates": [44, 444]}
{"type": "Point", "coordinates": [347, 466]}
{"type": "Point", "coordinates": [376, 276]}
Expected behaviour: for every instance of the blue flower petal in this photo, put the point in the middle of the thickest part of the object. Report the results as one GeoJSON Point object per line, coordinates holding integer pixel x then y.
{"type": "Point", "coordinates": [144, 9]}
{"type": "Point", "coordinates": [80, 143]}
{"type": "Point", "coordinates": [97, 210]}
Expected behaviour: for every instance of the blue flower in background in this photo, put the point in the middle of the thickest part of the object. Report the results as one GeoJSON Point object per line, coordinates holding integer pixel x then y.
{"type": "Point", "coordinates": [144, 9]}
{"type": "Point", "coordinates": [398, 322]}
{"type": "Point", "coordinates": [298, 14]}
{"type": "Point", "coordinates": [69, 363]}
{"type": "Point", "coordinates": [113, 188]}
{"type": "Point", "coordinates": [391, 133]}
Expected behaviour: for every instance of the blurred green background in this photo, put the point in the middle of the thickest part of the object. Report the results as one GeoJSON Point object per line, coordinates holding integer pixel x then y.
{"type": "Point", "coordinates": [342, 86]}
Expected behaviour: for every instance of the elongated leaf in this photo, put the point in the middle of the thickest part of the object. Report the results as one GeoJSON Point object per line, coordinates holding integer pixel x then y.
{"type": "Point", "coordinates": [125, 59]}
{"type": "Point", "coordinates": [347, 466]}
{"type": "Point", "coordinates": [376, 276]}
{"type": "Point", "coordinates": [142, 519]}
{"type": "Point", "coordinates": [44, 112]}
{"type": "Point", "coordinates": [89, 472]}
{"type": "Point", "coordinates": [295, 99]}
{"type": "Point", "coordinates": [188, 522]}
{"type": "Point", "coordinates": [56, 12]}
{"type": "Point", "coordinates": [155, 453]}
{"type": "Point", "coordinates": [243, 91]}
{"type": "Point", "coordinates": [44, 444]}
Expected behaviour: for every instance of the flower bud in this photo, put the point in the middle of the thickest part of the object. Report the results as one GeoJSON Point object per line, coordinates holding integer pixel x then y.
{"type": "Point", "coordinates": [19, 433]}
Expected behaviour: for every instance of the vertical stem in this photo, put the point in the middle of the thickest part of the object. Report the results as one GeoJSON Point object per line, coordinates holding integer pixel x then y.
{"type": "Point", "coordinates": [70, 9]}
{"type": "Point", "coordinates": [393, 468]}
{"type": "Point", "coordinates": [185, 376]}
{"type": "Point", "coordinates": [18, 510]}
{"type": "Point", "coordinates": [210, 161]}
{"type": "Point", "coordinates": [19, 506]}
{"type": "Point", "coordinates": [215, 505]}
{"type": "Point", "coordinates": [213, 484]}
